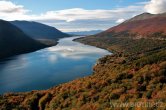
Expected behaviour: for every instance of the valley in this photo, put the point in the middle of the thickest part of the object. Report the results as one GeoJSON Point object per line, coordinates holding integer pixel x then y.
{"type": "Point", "coordinates": [64, 62]}
{"type": "Point", "coordinates": [134, 73]}
{"type": "Point", "coordinates": [20, 37]}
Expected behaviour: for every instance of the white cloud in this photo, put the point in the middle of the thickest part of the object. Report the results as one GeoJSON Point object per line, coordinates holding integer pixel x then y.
{"type": "Point", "coordinates": [156, 6]}
{"type": "Point", "coordinates": [9, 7]}
{"type": "Point", "coordinates": [11, 11]}
{"type": "Point", "coordinates": [120, 20]}
{"type": "Point", "coordinates": [74, 14]}
{"type": "Point", "coordinates": [78, 19]}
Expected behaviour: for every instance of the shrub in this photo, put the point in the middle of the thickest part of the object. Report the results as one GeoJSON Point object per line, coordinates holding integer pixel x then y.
{"type": "Point", "coordinates": [114, 96]}
{"type": "Point", "coordinates": [32, 102]}
{"type": "Point", "coordinates": [141, 88]}
{"type": "Point", "coordinates": [162, 72]}
{"type": "Point", "coordinates": [44, 100]}
{"type": "Point", "coordinates": [148, 94]}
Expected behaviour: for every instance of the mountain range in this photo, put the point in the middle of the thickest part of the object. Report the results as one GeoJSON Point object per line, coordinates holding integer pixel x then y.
{"type": "Point", "coordinates": [134, 74]}
{"type": "Point", "coordinates": [19, 37]}
{"type": "Point", "coordinates": [39, 31]}
{"type": "Point", "coordinates": [14, 41]}
{"type": "Point", "coordinates": [85, 33]}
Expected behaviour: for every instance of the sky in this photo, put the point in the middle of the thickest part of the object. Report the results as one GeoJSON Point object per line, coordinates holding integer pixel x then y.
{"type": "Point", "coordinates": [78, 15]}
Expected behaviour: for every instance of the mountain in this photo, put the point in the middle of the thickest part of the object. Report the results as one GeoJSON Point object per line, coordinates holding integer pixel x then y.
{"type": "Point", "coordinates": [85, 33]}
{"type": "Point", "coordinates": [148, 29]}
{"type": "Point", "coordinates": [134, 73]}
{"type": "Point", "coordinates": [14, 41]}
{"type": "Point", "coordinates": [144, 25]}
{"type": "Point", "coordinates": [144, 16]}
{"type": "Point", "coordinates": [39, 31]}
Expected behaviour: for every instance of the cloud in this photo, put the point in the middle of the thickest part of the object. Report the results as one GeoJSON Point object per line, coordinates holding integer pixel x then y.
{"type": "Point", "coordinates": [11, 11]}
{"type": "Point", "coordinates": [75, 19]}
{"type": "Point", "coordinates": [78, 19]}
{"type": "Point", "coordinates": [74, 14]}
{"type": "Point", "coordinates": [156, 6]}
{"type": "Point", "coordinates": [9, 7]}
{"type": "Point", "coordinates": [120, 20]}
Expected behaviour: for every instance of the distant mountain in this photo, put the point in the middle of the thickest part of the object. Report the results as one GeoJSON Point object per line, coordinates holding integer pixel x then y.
{"type": "Point", "coordinates": [144, 25]}
{"type": "Point", "coordinates": [13, 41]}
{"type": "Point", "coordinates": [39, 31]}
{"type": "Point", "coordinates": [92, 32]}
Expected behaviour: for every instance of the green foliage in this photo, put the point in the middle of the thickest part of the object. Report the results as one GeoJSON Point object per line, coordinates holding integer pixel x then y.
{"type": "Point", "coordinates": [152, 58]}
{"type": "Point", "coordinates": [125, 45]}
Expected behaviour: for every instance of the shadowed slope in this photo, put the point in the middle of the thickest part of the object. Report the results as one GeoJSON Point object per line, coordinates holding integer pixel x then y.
{"type": "Point", "coordinates": [39, 31]}
{"type": "Point", "coordinates": [13, 41]}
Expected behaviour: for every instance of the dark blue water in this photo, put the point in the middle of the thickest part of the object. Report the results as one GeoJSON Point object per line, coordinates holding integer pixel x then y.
{"type": "Point", "coordinates": [48, 67]}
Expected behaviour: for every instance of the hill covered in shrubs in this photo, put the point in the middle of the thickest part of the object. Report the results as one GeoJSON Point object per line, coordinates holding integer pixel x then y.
{"type": "Point", "coordinates": [116, 79]}
{"type": "Point", "coordinates": [134, 77]}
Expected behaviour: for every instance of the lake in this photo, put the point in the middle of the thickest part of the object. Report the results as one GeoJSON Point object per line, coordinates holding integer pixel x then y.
{"type": "Point", "coordinates": [66, 61]}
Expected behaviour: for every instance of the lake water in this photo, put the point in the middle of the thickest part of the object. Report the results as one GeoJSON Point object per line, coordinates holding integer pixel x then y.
{"type": "Point", "coordinates": [48, 67]}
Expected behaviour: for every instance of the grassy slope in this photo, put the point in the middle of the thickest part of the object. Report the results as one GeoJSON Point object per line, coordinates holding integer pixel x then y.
{"type": "Point", "coordinates": [135, 73]}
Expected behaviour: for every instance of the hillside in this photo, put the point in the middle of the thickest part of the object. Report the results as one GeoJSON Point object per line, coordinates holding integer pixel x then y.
{"type": "Point", "coordinates": [143, 25]}
{"type": "Point", "coordinates": [144, 16]}
{"type": "Point", "coordinates": [132, 35]}
{"type": "Point", "coordinates": [13, 41]}
{"type": "Point", "coordinates": [135, 74]}
{"type": "Point", "coordinates": [39, 31]}
{"type": "Point", "coordinates": [115, 80]}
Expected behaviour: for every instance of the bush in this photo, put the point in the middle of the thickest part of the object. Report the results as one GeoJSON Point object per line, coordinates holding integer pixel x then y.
{"type": "Point", "coordinates": [44, 100]}
{"type": "Point", "coordinates": [114, 96]}
{"type": "Point", "coordinates": [148, 94]}
{"type": "Point", "coordinates": [32, 102]}
{"type": "Point", "coordinates": [162, 72]}
{"type": "Point", "coordinates": [141, 88]}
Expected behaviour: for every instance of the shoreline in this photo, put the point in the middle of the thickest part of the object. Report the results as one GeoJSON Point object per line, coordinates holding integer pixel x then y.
{"type": "Point", "coordinates": [115, 78]}
{"type": "Point", "coordinates": [60, 83]}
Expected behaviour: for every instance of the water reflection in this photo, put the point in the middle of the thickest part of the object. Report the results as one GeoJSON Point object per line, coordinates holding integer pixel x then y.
{"type": "Point", "coordinates": [48, 67]}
